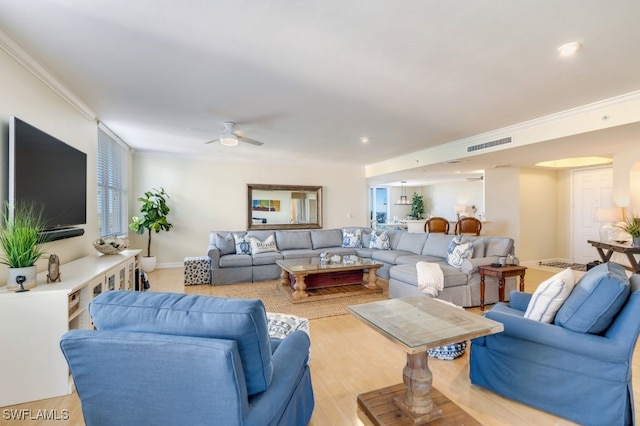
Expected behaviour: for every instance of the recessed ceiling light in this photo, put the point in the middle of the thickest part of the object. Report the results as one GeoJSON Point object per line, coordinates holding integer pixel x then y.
{"type": "Point", "coordinates": [364, 139]}
{"type": "Point", "coordinates": [566, 163]}
{"type": "Point", "coordinates": [569, 49]}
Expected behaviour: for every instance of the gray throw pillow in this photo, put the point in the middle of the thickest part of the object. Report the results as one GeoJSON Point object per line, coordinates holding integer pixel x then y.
{"type": "Point", "coordinates": [226, 243]}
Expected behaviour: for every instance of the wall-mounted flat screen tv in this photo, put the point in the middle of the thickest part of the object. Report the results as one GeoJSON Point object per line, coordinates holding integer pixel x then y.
{"type": "Point", "coordinates": [49, 173]}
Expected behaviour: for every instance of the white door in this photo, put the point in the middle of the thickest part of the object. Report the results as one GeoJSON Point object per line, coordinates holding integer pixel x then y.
{"type": "Point", "coordinates": [591, 188]}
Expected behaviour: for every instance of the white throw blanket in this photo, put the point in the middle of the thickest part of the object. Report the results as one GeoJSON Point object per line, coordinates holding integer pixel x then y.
{"type": "Point", "coordinates": [430, 278]}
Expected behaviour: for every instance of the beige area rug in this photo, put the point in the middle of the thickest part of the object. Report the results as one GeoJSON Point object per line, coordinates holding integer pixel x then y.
{"type": "Point", "coordinates": [275, 300]}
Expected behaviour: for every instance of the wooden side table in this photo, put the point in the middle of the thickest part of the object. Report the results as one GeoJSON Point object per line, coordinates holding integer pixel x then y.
{"type": "Point", "coordinates": [501, 273]}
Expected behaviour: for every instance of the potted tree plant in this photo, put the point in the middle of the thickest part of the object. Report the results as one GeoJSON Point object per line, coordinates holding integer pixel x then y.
{"type": "Point", "coordinates": [417, 206]}
{"type": "Point", "coordinates": [153, 218]}
{"type": "Point", "coordinates": [632, 227]}
{"type": "Point", "coordinates": [21, 239]}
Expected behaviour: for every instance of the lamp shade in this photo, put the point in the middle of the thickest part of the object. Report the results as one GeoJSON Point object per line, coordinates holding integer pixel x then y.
{"type": "Point", "coordinates": [608, 214]}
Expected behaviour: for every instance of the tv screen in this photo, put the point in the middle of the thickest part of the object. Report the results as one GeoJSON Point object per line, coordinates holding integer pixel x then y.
{"type": "Point", "coordinates": [49, 173]}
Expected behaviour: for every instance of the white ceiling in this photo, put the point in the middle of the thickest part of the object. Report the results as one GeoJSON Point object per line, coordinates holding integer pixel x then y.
{"type": "Point", "coordinates": [309, 78]}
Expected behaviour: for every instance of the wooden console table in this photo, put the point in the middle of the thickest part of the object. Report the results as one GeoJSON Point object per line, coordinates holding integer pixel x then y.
{"type": "Point", "coordinates": [613, 247]}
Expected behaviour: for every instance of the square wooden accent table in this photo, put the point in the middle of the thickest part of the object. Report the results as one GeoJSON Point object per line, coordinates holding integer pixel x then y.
{"type": "Point", "coordinates": [418, 324]}
{"type": "Point", "coordinates": [500, 272]}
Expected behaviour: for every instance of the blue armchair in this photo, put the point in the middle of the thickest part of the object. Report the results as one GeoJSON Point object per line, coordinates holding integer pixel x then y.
{"type": "Point", "coordinates": [578, 367]}
{"type": "Point", "coordinates": [168, 359]}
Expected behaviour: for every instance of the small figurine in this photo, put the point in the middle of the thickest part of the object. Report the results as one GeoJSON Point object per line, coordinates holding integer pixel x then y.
{"type": "Point", "coordinates": [54, 269]}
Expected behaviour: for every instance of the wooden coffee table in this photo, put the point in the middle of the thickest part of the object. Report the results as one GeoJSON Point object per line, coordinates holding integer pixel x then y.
{"type": "Point", "coordinates": [418, 324]}
{"type": "Point", "coordinates": [306, 274]}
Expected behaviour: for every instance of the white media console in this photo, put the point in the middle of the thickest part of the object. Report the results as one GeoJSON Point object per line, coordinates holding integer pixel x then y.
{"type": "Point", "coordinates": [32, 366]}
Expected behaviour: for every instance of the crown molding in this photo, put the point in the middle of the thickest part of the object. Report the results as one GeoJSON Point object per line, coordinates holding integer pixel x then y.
{"type": "Point", "coordinates": [551, 118]}
{"type": "Point", "coordinates": [457, 149]}
{"type": "Point", "coordinates": [23, 58]}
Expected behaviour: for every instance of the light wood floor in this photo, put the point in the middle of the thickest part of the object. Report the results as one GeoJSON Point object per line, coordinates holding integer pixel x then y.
{"type": "Point", "coordinates": [349, 358]}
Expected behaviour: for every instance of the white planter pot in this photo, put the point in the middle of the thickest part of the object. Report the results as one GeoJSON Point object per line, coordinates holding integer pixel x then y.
{"type": "Point", "coordinates": [148, 264]}
{"type": "Point", "coordinates": [29, 273]}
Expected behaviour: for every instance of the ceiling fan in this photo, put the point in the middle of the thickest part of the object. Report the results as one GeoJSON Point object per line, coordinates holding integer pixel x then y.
{"type": "Point", "coordinates": [229, 138]}
{"type": "Point", "coordinates": [473, 179]}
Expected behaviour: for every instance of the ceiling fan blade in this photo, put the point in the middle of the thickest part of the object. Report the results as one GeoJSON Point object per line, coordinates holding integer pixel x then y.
{"type": "Point", "coordinates": [251, 141]}
{"type": "Point", "coordinates": [212, 141]}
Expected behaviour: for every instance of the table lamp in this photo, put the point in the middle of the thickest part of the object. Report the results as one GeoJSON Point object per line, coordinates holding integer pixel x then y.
{"type": "Point", "coordinates": [608, 216]}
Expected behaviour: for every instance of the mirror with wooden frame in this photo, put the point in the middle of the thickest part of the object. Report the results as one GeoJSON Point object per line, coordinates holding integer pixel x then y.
{"type": "Point", "coordinates": [284, 207]}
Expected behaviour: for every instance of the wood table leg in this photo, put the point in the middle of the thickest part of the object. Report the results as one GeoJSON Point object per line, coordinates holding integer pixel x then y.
{"type": "Point", "coordinates": [481, 291]}
{"type": "Point", "coordinates": [284, 279]}
{"type": "Point", "coordinates": [371, 280]}
{"type": "Point", "coordinates": [501, 289]}
{"type": "Point", "coordinates": [417, 379]}
{"type": "Point", "coordinates": [522, 282]}
{"type": "Point", "coordinates": [300, 287]}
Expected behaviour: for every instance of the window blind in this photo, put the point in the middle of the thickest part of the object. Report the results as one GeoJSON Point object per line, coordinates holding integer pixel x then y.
{"type": "Point", "coordinates": [113, 184]}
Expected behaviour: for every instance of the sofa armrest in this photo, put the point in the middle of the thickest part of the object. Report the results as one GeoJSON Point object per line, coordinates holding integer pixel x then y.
{"type": "Point", "coordinates": [289, 363]}
{"type": "Point", "coordinates": [214, 253]}
{"type": "Point", "coordinates": [519, 300]}
{"type": "Point", "coordinates": [583, 344]}
{"type": "Point", "coordinates": [470, 266]}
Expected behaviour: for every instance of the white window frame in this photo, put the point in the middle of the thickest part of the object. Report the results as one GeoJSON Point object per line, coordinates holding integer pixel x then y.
{"type": "Point", "coordinates": [113, 158]}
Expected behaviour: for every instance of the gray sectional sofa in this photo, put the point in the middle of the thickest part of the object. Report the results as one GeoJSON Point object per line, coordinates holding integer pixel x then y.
{"type": "Point", "coordinates": [461, 285]}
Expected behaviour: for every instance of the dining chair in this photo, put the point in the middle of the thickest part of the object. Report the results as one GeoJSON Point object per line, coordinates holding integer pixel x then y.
{"type": "Point", "coordinates": [438, 225]}
{"type": "Point", "coordinates": [468, 225]}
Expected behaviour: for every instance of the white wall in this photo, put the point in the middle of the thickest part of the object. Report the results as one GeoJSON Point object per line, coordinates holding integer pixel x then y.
{"type": "Point", "coordinates": [538, 214]}
{"type": "Point", "coordinates": [25, 96]}
{"type": "Point", "coordinates": [206, 196]}
{"type": "Point", "coordinates": [441, 199]}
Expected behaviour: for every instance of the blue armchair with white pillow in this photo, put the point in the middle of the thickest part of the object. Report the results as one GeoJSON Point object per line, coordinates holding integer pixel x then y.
{"type": "Point", "coordinates": [577, 365]}
{"type": "Point", "coordinates": [176, 359]}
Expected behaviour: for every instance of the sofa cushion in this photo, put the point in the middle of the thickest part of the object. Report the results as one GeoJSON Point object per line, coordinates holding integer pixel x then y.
{"type": "Point", "coordinates": [412, 241]}
{"type": "Point", "coordinates": [234, 260]}
{"type": "Point", "coordinates": [323, 238]}
{"type": "Point", "coordinates": [365, 252]}
{"type": "Point", "coordinates": [226, 243]}
{"type": "Point", "coordinates": [268, 258]}
{"type": "Point", "coordinates": [415, 258]}
{"type": "Point", "coordinates": [459, 250]}
{"type": "Point", "coordinates": [478, 247]}
{"type": "Point", "coordinates": [293, 240]}
{"type": "Point", "coordinates": [497, 246]}
{"type": "Point", "coordinates": [263, 246]}
{"type": "Point", "coordinates": [242, 242]}
{"type": "Point", "coordinates": [394, 238]}
{"type": "Point", "coordinates": [379, 240]}
{"type": "Point", "coordinates": [437, 245]}
{"type": "Point", "coordinates": [549, 296]}
{"type": "Point", "coordinates": [352, 239]}
{"type": "Point", "coordinates": [409, 274]}
{"type": "Point", "coordinates": [241, 320]}
{"type": "Point", "coordinates": [298, 254]}
{"type": "Point", "coordinates": [389, 256]}
{"type": "Point", "coordinates": [595, 300]}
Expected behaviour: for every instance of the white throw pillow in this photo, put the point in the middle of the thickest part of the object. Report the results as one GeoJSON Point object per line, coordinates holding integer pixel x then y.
{"type": "Point", "coordinates": [352, 239]}
{"type": "Point", "coordinates": [549, 296]}
{"type": "Point", "coordinates": [243, 245]}
{"type": "Point", "coordinates": [458, 252]}
{"type": "Point", "coordinates": [379, 241]}
{"type": "Point", "coordinates": [269, 244]}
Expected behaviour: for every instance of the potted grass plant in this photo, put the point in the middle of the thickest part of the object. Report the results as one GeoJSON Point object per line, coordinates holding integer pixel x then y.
{"type": "Point", "coordinates": [21, 242]}
{"type": "Point", "coordinates": [631, 226]}
{"type": "Point", "coordinates": [153, 218]}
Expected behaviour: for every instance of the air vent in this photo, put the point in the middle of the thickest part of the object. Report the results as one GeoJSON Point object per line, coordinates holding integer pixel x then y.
{"type": "Point", "coordinates": [486, 145]}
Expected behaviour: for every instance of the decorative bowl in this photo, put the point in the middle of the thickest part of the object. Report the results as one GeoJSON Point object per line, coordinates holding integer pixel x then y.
{"type": "Point", "coordinates": [110, 245]}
